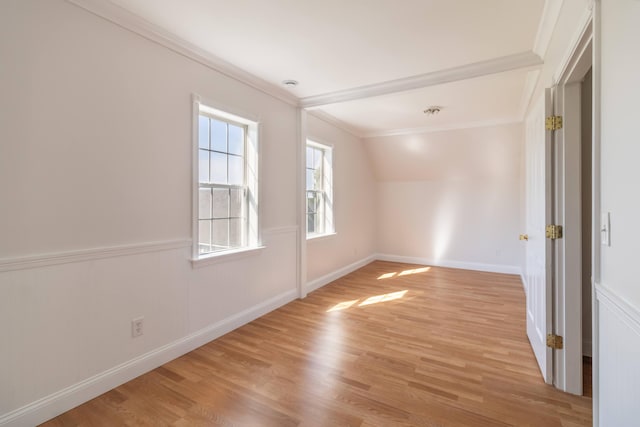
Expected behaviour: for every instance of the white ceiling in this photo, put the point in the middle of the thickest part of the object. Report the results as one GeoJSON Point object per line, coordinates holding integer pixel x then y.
{"type": "Point", "coordinates": [351, 49]}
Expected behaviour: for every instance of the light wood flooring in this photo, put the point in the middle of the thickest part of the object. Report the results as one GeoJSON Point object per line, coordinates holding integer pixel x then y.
{"type": "Point", "coordinates": [427, 347]}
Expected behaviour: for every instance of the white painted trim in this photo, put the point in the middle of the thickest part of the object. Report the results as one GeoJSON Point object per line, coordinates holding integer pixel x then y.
{"type": "Point", "coordinates": [129, 21]}
{"type": "Point", "coordinates": [76, 394]}
{"type": "Point", "coordinates": [317, 237]}
{"type": "Point", "coordinates": [578, 42]}
{"type": "Point", "coordinates": [493, 268]}
{"type": "Point", "coordinates": [548, 21]}
{"type": "Point", "coordinates": [433, 129]}
{"type": "Point", "coordinates": [492, 66]}
{"type": "Point", "coordinates": [301, 201]}
{"type": "Point", "coordinates": [328, 278]}
{"type": "Point", "coordinates": [627, 312]}
{"type": "Point", "coordinates": [225, 256]}
{"type": "Point", "coordinates": [328, 118]}
{"type": "Point", "coordinates": [44, 260]}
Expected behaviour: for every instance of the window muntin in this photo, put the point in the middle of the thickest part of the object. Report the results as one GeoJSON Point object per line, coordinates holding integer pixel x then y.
{"type": "Point", "coordinates": [319, 192]}
{"type": "Point", "coordinates": [227, 183]}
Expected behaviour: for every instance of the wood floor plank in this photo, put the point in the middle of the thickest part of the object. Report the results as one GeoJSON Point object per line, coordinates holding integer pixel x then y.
{"type": "Point", "coordinates": [388, 345]}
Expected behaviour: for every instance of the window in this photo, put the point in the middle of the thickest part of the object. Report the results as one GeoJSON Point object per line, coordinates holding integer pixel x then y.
{"type": "Point", "coordinates": [319, 189]}
{"type": "Point", "coordinates": [227, 214]}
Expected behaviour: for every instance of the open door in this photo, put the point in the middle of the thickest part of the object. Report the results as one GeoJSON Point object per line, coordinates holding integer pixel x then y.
{"type": "Point", "coordinates": [539, 178]}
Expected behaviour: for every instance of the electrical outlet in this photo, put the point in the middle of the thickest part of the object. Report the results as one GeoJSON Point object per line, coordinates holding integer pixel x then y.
{"type": "Point", "coordinates": [137, 327]}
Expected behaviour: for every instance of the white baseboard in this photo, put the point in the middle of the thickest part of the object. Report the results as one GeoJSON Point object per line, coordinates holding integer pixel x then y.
{"type": "Point", "coordinates": [328, 278]}
{"type": "Point", "coordinates": [493, 268]}
{"type": "Point", "coordinates": [72, 396]}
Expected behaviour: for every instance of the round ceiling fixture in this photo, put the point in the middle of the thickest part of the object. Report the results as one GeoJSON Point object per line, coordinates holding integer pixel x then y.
{"type": "Point", "coordinates": [433, 110]}
{"type": "Point", "coordinates": [290, 83]}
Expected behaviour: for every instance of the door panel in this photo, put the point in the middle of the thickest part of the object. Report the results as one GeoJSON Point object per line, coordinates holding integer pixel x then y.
{"type": "Point", "coordinates": [538, 196]}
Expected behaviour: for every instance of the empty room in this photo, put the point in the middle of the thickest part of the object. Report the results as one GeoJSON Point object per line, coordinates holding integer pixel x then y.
{"type": "Point", "coordinates": [319, 213]}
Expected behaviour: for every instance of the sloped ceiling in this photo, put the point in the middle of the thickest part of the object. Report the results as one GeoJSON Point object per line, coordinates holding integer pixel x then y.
{"type": "Point", "coordinates": [371, 66]}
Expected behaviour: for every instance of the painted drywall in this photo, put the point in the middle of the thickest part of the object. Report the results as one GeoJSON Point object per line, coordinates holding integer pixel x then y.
{"type": "Point", "coordinates": [95, 152]}
{"type": "Point", "coordinates": [451, 198]}
{"type": "Point", "coordinates": [354, 203]}
{"type": "Point", "coordinates": [619, 371]}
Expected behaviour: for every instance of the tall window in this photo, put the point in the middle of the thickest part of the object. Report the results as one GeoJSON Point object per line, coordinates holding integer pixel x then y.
{"type": "Point", "coordinates": [319, 189]}
{"type": "Point", "coordinates": [227, 182]}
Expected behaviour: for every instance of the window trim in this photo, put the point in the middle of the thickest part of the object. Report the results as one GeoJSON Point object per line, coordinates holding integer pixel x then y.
{"type": "Point", "coordinates": [324, 146]}
{"type": "Point", "coordinates": [252, 122]}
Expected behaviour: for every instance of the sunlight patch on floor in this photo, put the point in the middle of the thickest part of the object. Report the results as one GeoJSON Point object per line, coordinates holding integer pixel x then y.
{"type": "Point", "coordinates": [371, 300]}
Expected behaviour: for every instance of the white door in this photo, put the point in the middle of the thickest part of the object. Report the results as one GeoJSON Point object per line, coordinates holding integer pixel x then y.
{"type": "Point", "coordinates": [538, 251]}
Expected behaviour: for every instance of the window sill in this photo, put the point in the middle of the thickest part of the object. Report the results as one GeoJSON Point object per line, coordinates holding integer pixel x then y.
{"type": "Point", "coordinates": [225, 256]}
{"type": "Point", "coordinates": [315, 237]}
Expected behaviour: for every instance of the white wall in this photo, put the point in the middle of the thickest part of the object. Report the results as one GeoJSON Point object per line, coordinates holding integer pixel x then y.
{"type": "Point", "coordinates": [618, 290]}
{"type": "Point", "coordinates": [450, 198]}
{"type": "Point", "coordinates": [354, 207]}
{"type": "Point", "coordinates": [95, 152]}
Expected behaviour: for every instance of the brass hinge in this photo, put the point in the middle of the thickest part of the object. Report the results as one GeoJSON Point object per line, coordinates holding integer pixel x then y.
{"type": "Point", "coordinates": [553, 123]}
{"type": "Point", "coordinates": [554, 341]}
{"type": "Point", "coordinates": [554, 232]}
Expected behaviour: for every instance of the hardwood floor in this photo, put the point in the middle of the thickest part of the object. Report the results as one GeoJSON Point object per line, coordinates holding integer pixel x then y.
{"type": "Point", "coordinates": [428, 347]}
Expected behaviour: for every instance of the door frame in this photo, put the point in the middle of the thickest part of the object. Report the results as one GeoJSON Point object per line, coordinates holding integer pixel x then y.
{"type": "Point", "coordinates": [566, 266]}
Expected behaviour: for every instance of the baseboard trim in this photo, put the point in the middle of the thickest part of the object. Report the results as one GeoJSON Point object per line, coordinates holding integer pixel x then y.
{"type": "Point", "coordinates": [328, 278]}
{"type": "Point", "coordinates": [493, 268]}
{"type": "Point", "coordinates": [50, 406]}
{"type": "Point", "coordinates": [624, 310]}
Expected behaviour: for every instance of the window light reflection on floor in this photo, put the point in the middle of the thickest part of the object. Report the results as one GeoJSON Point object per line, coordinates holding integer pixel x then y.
{"type": "Point", "coordinates": [371, 300]}
{"type": "Point", "coordinates": [383, 298]}
{"type": "Point", "coordinates": [404, 273]}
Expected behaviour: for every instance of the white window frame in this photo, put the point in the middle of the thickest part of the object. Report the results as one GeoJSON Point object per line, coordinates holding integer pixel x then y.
{"type": "Point", "coordinates": [251, 169]}
{"type": "Point", "coordinates": [327, 208]}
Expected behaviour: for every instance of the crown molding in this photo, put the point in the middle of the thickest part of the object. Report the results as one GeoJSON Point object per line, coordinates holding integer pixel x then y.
{"type": "Point", "coordinates": [328, 118]}
{"type": "Point", "coordinates": [129, 21]}
{"type": "Point", "coordinates": [492, 66]}
{"type": "Point", "coordinates": [432, 129]}
{"type": "Point", "coordinates": [546, 27]}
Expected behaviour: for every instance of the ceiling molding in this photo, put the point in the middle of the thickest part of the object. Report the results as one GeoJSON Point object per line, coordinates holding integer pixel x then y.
{"type": "Point", "coordinates": [154, 33]}
{"type": "Point", "coordinates": [492, 66]}
{"type": "Point", "coordinates": [328, 118]}
{"type": "Point", "coordinates": [432, 129]}
{"type": "Point", "coordinates": [546, 27]}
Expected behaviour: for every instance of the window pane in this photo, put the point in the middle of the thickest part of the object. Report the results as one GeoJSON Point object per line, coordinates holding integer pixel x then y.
{"type": "Point", "coordinates": [309, 157]}
{"type": "Point", "coordinates": [235, 206]}
{"type": "Point", "coordinates": [235, 233]}
{"type": "Point", "coordinates": [203, 166]}
{"type": "Point", "coordinates": [220, 233]}
{"type": "Point", "coordinates": [204, 236]}
{"type": "Point", "coordinates": [219, 168]}
{"type": "Point", "coordinates": [203, 132]}
{"type": "Point", "coordinates": [236, 170]}
{"type": "Point", "coordinates": [317, 158]}
{"type": "Point", "coordinates": [311, 202]}
{"type": "Point", "coordinates": [218, 135]}
{"type": "Point", "coordinates": [204, 200]}
{"type": "Point", "coordinates": [310, 180]}
{"type": "Point", "coordinates": [311, 223]}
{"type": "Point", "coordinates": [317, 180]}
{"type": "Point", "coordinates": [220, 203]}
{"type": "Point", "coordinates": [236, 140]}
{"type": "Point", "coordinates": [319, 226]}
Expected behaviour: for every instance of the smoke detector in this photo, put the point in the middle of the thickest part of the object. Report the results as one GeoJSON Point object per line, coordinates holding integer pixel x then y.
{"type": "Point", "coordinates": [290, 83]}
